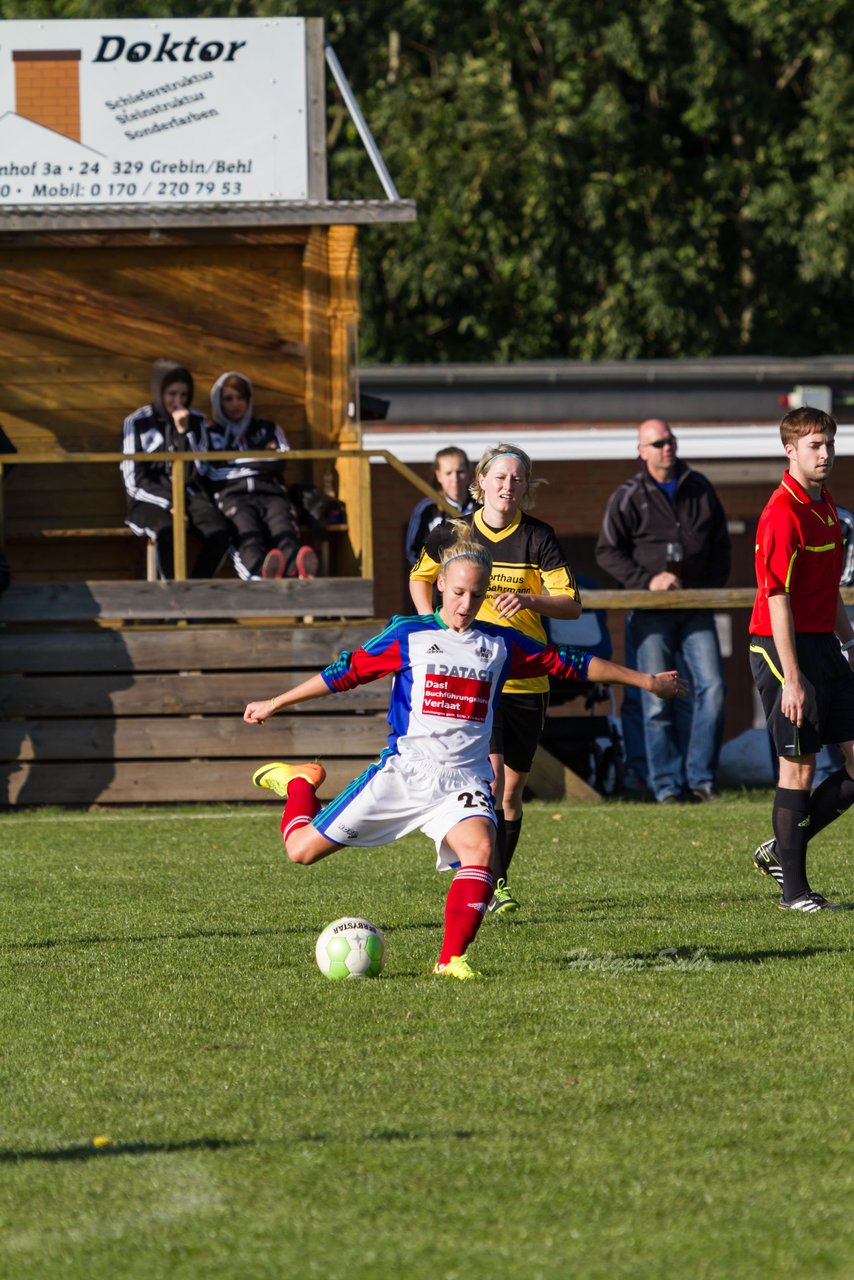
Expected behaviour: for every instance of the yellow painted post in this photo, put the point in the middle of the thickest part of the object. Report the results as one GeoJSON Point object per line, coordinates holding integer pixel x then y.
{"type": "Point", "coordinates": [318, 357]}
{"type": "Point", "coordinates": [367, 530]}
{"type": "Point", "coordinates": [331, 314]}
{"type": "Point", "coordinates": [353, 478]}
{"type": "Point", "coordinates": [179, 526]}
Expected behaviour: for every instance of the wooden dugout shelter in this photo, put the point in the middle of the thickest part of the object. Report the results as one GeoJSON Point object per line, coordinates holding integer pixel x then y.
{"type": "Point", "coordinates": [89, 297]}
{"type": "Point", "coordinates": [84, 310]}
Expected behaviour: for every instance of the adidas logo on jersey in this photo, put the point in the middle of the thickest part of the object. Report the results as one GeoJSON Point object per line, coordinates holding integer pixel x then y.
{"type": "Point", "coordinates": [434, 648]}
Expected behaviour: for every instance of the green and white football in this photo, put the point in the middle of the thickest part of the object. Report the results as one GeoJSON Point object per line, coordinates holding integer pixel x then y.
{"type": "Point", "coordinates": [350, 948]}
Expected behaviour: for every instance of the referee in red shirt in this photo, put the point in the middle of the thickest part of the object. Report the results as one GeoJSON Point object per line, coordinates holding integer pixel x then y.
{"type": "Point", "coordinates": [803, 676]}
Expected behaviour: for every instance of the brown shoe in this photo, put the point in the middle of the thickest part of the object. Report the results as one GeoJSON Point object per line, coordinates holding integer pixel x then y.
{"type": "Point", "coordinates": [307, 562]}
{"type": "Point", "coordinates": [274, 564]}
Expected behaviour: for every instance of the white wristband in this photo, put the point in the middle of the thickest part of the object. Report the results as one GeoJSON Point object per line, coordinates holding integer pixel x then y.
{"type": "Point", "coordinates": [849, 644]}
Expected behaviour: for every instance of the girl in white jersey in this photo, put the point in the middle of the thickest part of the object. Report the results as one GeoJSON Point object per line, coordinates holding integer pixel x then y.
{"type": "Point", "coordinates": [434, 775]}
{"type": "Point", "coordinates": [530, 581]}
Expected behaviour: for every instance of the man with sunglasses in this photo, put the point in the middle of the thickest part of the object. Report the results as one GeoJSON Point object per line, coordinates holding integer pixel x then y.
{"type": "Point", "coordinates": [664, 529]}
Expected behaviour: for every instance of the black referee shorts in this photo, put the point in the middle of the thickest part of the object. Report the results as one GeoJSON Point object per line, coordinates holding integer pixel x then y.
{"type": "Point", "coordinates": [517, 727]}
{"type": "Point", "coordinates": [829, 686]}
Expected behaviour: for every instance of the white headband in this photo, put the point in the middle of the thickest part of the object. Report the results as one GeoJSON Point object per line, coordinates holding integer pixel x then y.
{"type": "Point", "coordinates": [467, 555]}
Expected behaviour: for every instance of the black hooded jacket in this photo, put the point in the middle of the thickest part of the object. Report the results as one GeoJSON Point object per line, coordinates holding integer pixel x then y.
{"type": "Point", "coordinates": [151, 430]}
{"type": "Point", "coordinates": [640, 520]}
{"type": "Point", "coordinates": [259, 474]}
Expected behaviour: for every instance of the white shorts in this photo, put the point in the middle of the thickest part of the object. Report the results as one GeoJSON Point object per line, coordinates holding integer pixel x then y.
{"type": "Point", "coordinates": [396, 796]}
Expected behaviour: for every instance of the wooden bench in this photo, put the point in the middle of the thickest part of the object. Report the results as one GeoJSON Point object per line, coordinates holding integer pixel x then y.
{"type": "Point", "coordinates": [59, 530]}
{"type": "Point", "coordinates": [35, 531]}
{"type": "Point", "coordinates": [112, 695]}
{"type": "Point", "coordinates": [30, 531]}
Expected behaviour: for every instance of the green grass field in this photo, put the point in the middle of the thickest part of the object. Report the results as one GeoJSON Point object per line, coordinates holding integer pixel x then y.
{"type": "Point", "coordinates": [590, 1109]}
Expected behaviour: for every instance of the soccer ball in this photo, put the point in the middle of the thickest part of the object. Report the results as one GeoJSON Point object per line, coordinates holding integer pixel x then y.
{"type": "Point", "coordinates": [350, 948]}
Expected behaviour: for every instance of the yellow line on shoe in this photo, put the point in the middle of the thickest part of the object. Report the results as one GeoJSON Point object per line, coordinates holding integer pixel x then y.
{"type": "Point", "coordinates": [457, 967]}
{"type": "Point", "coordinates": [277, 776]}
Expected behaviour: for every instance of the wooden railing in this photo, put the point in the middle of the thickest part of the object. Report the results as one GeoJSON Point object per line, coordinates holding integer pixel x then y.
{"type": "Point", "coordinates": [712, 598]}
{"type": "Point", "coordinates": [715, 598]}
{"type": "Point", "coordinates": [621, 601]}
{"type": "Point", "coordinates": [179, 462]}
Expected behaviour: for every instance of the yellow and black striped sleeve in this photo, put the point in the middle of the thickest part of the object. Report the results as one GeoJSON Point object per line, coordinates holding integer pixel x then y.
{"type": "Point", "coordinates": [556, 576]}
{"type": "Point", "coordinates": [425, 569]}
{"type": "Point", "coordinates": [429, 562]}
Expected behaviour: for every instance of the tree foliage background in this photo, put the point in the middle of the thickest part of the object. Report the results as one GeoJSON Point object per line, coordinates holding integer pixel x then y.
{"type": "Point", "coordinates": [596, 179]}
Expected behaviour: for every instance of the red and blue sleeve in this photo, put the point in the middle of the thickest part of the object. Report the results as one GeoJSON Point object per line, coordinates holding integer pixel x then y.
{"type": "Point", "coordinates": [530, 658]}
{"type": "Point", "coordinates": [380, 656]}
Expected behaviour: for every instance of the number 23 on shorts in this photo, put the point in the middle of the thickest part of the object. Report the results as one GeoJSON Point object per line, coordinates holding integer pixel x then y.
{"type": "Point", "coordinates": [476, 800]}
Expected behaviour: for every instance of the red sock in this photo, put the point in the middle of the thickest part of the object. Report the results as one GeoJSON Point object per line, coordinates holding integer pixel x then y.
{"type": "Point", "coordinates": [465, 906]}
{"type": "Point", "coordinates": [301, 806]}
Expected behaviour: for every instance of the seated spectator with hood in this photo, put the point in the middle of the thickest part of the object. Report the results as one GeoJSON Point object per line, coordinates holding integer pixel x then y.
{"type": "Point", "coordinates": [168, 424]}
{"type": "Point", "coordinates": [252, 494]}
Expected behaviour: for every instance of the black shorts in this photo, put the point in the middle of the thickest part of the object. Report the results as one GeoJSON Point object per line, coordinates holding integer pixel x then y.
{"type": "Point", "coordinates": [829, 685]}
{"type": "Point", "coordinates": [517, 727]}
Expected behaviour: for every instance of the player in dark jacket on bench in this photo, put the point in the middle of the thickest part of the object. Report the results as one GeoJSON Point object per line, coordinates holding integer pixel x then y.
{"type": "Point", "coordinates": [169, 425]}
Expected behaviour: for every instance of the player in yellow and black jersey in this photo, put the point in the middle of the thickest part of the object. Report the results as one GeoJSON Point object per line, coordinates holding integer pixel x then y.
{"type": "Point", "coordinates": [530, 580]}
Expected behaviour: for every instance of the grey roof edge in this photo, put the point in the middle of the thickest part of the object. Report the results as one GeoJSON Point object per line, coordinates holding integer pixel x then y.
{"type": "Point", "coordinates": [732, 443]}
{"type": "Point", "coordinates": [755, 369]}
{"type": "Point", "coordinates": [114, 217]}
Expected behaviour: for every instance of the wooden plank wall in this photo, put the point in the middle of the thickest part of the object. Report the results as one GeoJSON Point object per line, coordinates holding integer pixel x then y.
{"type": "Point", "coordinates": [153, 714]}
{"type": "Point", "coordinates": [198, 600]}
{"type": "Point", "coordinates": [81, 324]}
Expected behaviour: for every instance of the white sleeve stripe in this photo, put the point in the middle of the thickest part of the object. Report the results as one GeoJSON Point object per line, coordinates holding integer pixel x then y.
{"type": "Point", "coordinates": [128, 469]}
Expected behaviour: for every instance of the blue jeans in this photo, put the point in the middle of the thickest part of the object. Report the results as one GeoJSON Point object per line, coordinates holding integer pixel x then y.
{"type": "Point", "coordinates": [685, 638]}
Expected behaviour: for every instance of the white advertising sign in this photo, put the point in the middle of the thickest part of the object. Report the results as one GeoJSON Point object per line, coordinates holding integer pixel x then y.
{"type": "Point", "coordinates": [153, 112]}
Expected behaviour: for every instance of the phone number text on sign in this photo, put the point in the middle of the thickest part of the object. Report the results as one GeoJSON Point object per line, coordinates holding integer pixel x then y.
{"type": "Point", "coordinates": [123, 180]}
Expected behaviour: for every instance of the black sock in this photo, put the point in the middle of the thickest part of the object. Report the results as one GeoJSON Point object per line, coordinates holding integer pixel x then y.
{"type": "Point", "coordinates": [499, 858]}
{"type": "Point", "coordinates": [513, 827]}
{"type": "Point", "coordinates": [790, 820]}
{"type": "Point", "coordinates": [830, 800]}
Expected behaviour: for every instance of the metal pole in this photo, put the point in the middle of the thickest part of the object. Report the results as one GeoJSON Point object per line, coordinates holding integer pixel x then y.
{"type": "Point", "coordinates": [315, 98]}
{"type": "Point", "coordinates": [360, 122]}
